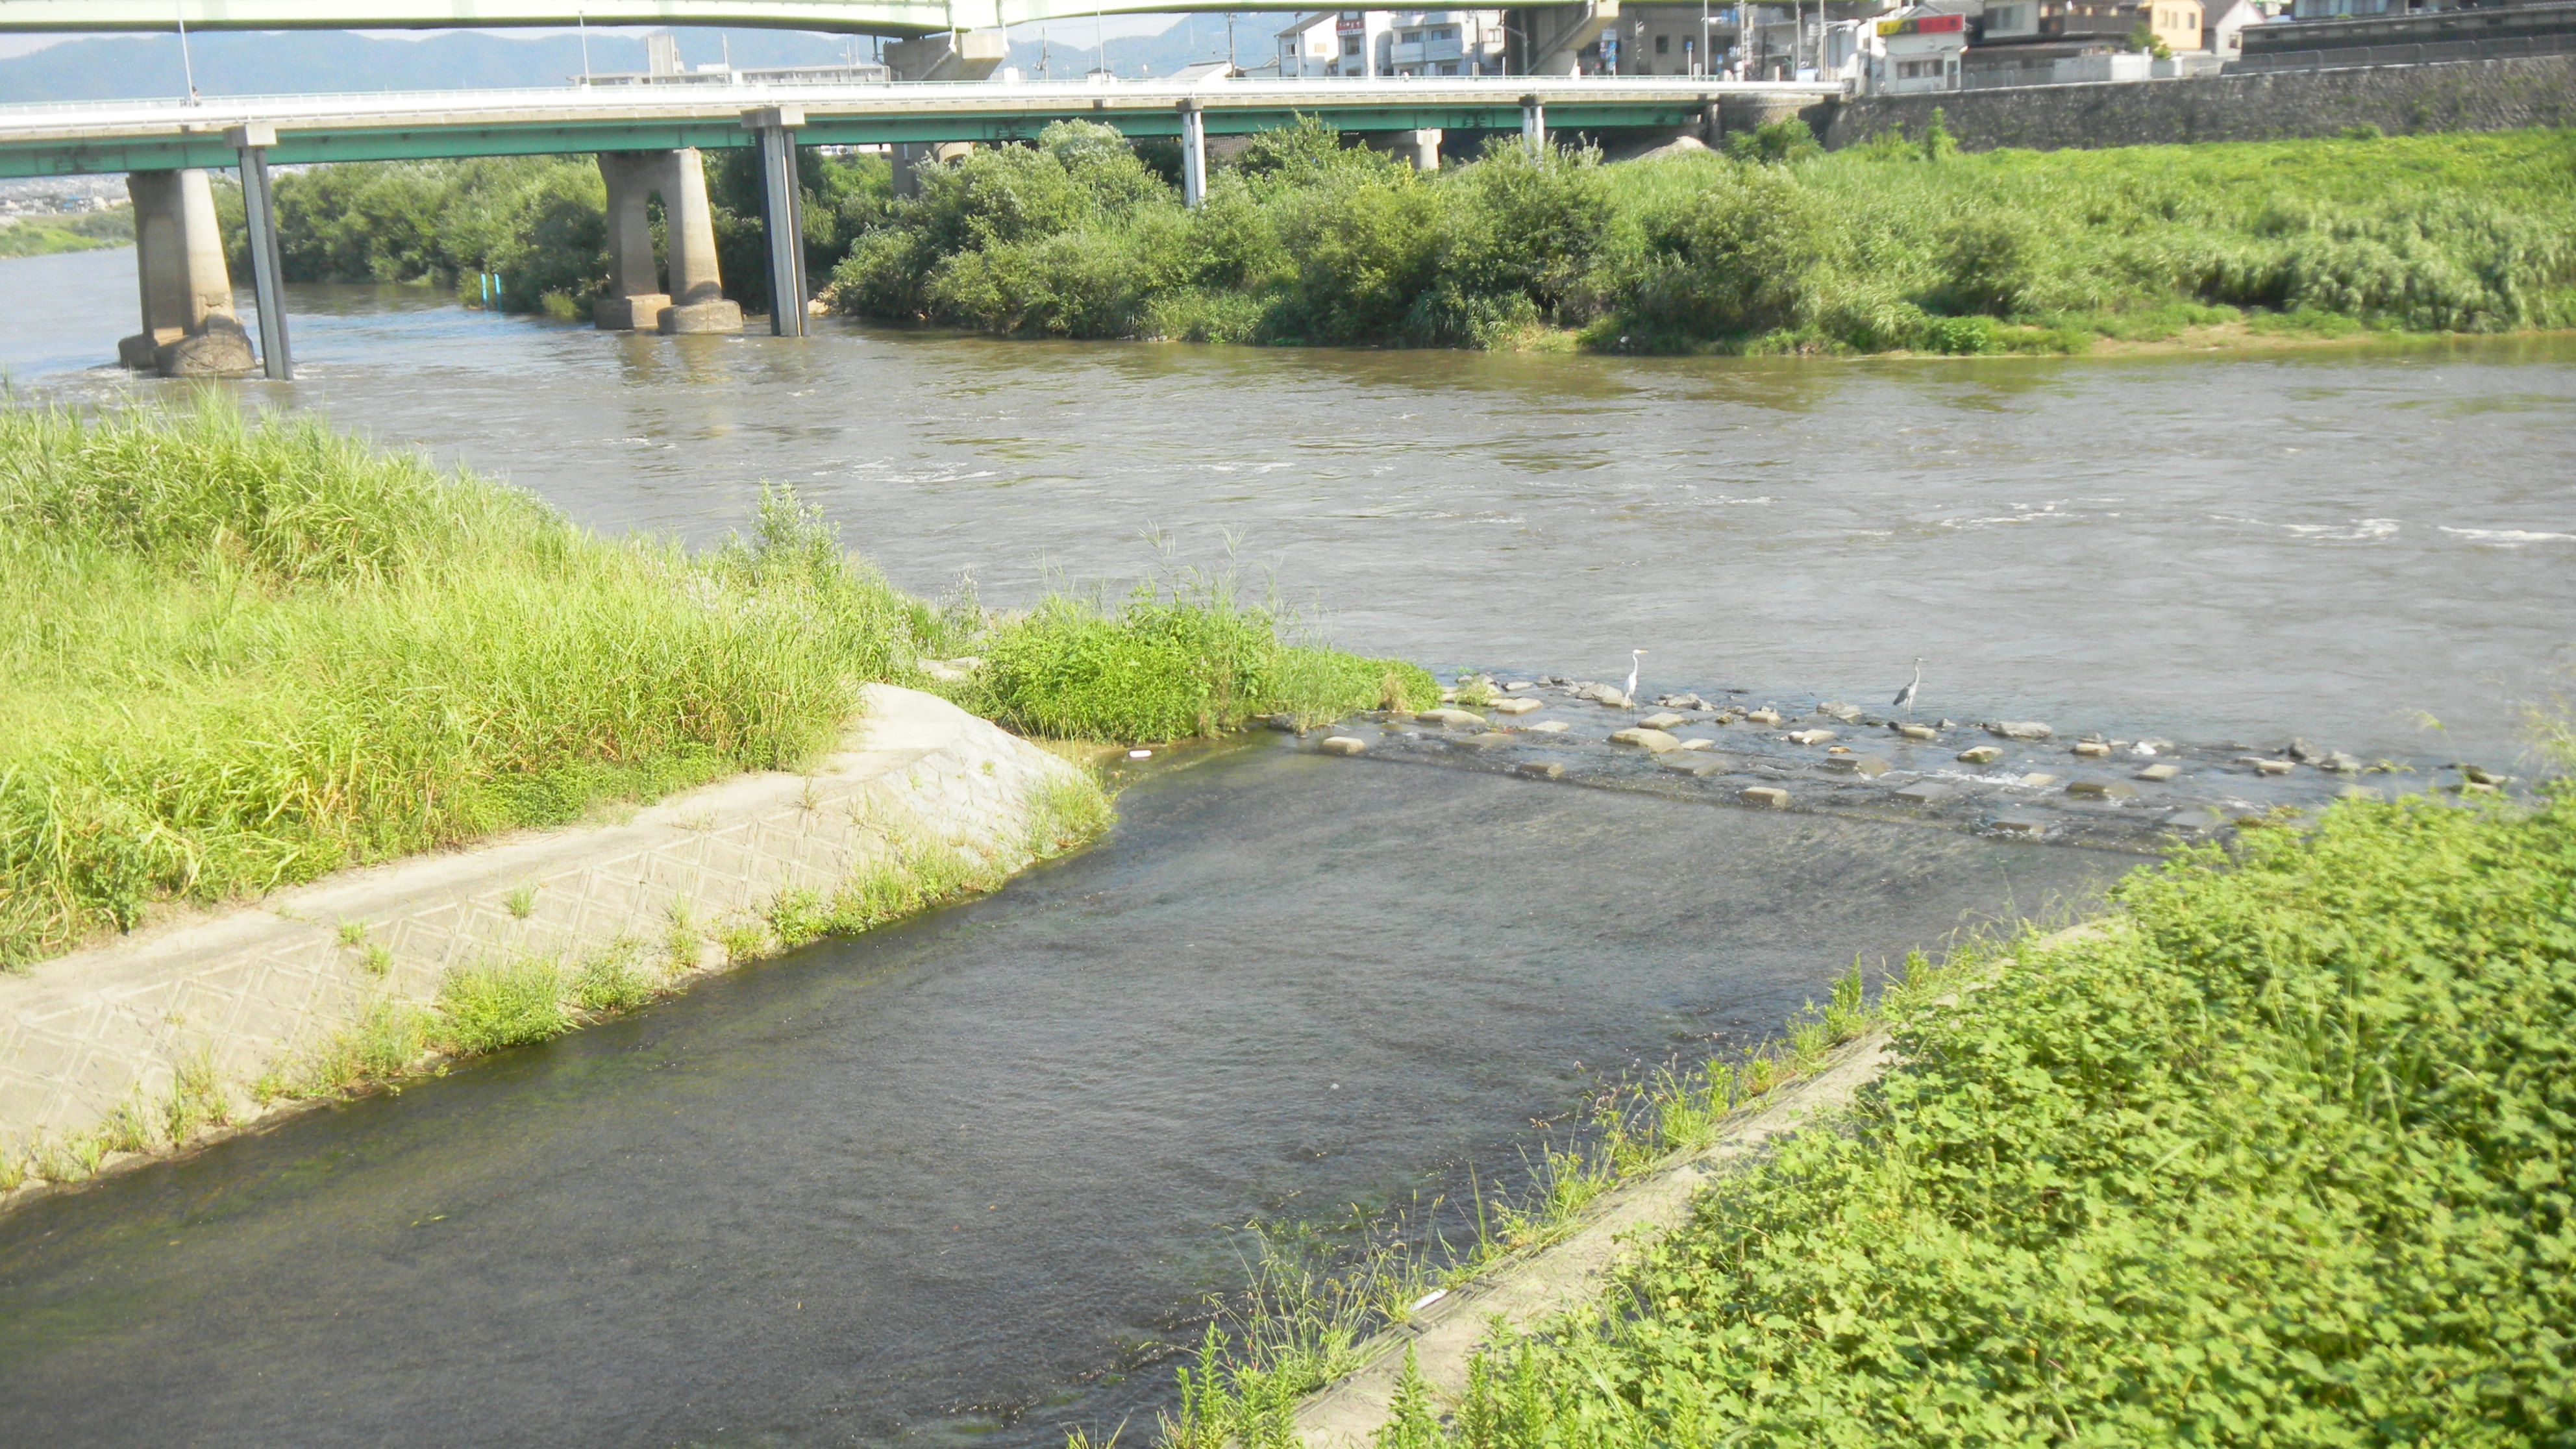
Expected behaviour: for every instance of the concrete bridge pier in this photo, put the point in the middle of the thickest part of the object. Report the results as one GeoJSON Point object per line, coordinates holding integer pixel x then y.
{"type": "Point", "coordinates": [696, 300]}
{"type": "Point", "coordinates": [782, 198]}
{"type": "Point", "coordinates": [970, 55]}
{"type": "Point", "coordinates": [1422, 148]}
{"type": "Point", "coordinates": [188, 325]}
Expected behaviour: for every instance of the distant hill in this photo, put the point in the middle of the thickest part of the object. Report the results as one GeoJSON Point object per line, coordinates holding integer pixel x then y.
{"type": "Point", "coordinates": [291, 62]}
{"type": "Point", "coordinates": [248, 63]}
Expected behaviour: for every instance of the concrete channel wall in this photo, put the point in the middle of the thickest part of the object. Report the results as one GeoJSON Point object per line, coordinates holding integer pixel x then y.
{"type": "Point", "coordinates": [251, 989]}
{"type": "Point", "coordinates": [2477, 95]}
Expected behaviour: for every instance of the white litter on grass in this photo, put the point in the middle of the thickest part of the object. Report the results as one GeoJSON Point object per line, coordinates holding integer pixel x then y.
{"type": "Point", "coordinates": [1427, 1299]}
{"type": "Point", "coordinates": [1140, 754]}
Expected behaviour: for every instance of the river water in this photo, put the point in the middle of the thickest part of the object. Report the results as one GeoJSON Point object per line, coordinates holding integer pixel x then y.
{"type": "Point", "coordinates": [964, 1179]}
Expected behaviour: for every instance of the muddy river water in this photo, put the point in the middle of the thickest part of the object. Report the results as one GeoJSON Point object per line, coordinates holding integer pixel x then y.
{"type": "Point", "coordinates": [964, 1179]}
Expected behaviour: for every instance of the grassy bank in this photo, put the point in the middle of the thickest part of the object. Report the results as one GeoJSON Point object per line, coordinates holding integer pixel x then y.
{"type": "Point", "coordinates": [1903, 243]}
{"type": "Point", "coordinates": [37, 236]}
{"type": "Point", "coordinates": [2277, 1157]}
{"type": "Point", "coordinates": [242, 655]}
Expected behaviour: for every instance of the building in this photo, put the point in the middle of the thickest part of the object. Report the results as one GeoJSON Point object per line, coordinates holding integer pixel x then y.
{"type": "Point", "coordinates": [1918, 52]}
{"type": "Point", "coordinates": [2067, 42]}
{"type": "Point", "coordinates": [1392, 43]}
{"type": "Point", "coordinates": [662, 67]}
{"type": "Point", "coordinates": [1687, 39]}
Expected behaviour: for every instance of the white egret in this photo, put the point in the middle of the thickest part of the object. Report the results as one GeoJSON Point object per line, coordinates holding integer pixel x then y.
{"type": "Point", "coordinates": [1905, 697]}
{"type": "Point", "coordinates": [1634, 655]}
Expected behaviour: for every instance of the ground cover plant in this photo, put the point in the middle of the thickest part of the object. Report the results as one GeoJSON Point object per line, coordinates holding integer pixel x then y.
{"type": "Point", "coordinates": [1902, 243]}
{"type": "Point", "coordinates": [2278, 1156]}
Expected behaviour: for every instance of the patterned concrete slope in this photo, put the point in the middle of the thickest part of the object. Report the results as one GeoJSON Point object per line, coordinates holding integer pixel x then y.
{"type": "Point", "coordinates": [84, 1033]}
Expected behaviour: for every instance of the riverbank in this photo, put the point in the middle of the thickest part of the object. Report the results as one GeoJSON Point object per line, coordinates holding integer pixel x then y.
{"type": "Point", "coordinates": [250, 658]}
{"type": "Point", "coordinates": [2229, 1165]}
{"type": "Point", "coordinates": [1903, 244]}
{"type": "Point", "coordinates": [39, 236]}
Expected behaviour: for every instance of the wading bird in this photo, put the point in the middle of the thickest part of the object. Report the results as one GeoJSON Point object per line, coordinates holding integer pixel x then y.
{"type": "Point", "coordinates": [1905, 697]}
{"type": "Point", "coordinates": [1634, 656]}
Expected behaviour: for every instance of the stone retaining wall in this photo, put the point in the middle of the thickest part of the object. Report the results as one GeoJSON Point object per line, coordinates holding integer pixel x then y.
{"type": "Point", "coordinates": [84, 1034]}
{"type": "Point", "coordinates": [2479, 95]}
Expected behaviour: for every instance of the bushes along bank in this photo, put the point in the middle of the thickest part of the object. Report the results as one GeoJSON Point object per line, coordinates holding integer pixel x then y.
{"type": "Point", "coordinates": [1898, 244]}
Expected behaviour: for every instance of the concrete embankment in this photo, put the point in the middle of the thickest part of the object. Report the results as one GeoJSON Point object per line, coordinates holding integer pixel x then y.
{"type": "Point", "coordinates": [1571, 1275]}
{"type": "Point", "coordinates": [222, 1002]}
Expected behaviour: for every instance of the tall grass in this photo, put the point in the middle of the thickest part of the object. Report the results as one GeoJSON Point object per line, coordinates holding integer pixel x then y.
{"type": "Point", "coordinates": [1901, 243]}
{"type": "Point", "coordinates": [243, 654]}
{"type": "Point", "coordinates": [1183, 655]}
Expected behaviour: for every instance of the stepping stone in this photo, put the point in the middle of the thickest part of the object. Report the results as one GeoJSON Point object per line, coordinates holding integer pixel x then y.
{"type": "Point", "coordinates": [2103, 790]}
{"type": "Point", "coordinates": [1981, 755]}
{"type": "Point", "coordinates": [2021, 824]}
{"type": "Point", "coordinates": [2094, 750]}
{"type": "Point", "coordinates": [1870, 765]}
{"type": "Point", "coordinates": [2036, 779]}
{"type": "Point", "coordinates": [1836, 709]}
{"type": "Point", "coordinates": [1925, 792]}
{"type": "Point", "coordinates": [1546, 727]}
{"type": "Point", "coordinates": [1453, 718]}
{"type": "Point", "coordinates": [2269, 767]}
{"type": "Point", "coordinates": [1694, 742]}
{"type": "Point", "coordinates": [1342, 745]}
{"type": "Point", "coordinates": [1762, 717]}
{"type": "Point", "coordinates": [2194, 820]}
{"type": "Point", "coordinates": [1485, 741]}
{"type": "Point", "coordinates": [1518, 685]}
{"type": "Point", "coordinates": [1768, 797]}
{"type": "Point", "coordinates": [1540, 769]}
{"type": "Point", "coordinates": [1918, 732]}
{"type": "Point", "coordinates": [1517, 706]}
{"type": "Point", "coordinates": [1810, 737]}
{"type": "Point", "coordinates": [1697, 766]}
{"type": "Point", "coordinates": [1663, 721]}
{"type": "Point", "coordinates": [1654, 741]}
{"type": "Point", "coordinates": [2019, 729]}
{"type": "Point", "coordinates": [2159, 773]}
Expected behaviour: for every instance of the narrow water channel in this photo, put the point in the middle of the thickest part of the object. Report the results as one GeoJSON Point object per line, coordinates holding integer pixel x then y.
{"type": "Point", "coordinates": [965, 1179]}
{"type": "Point", "coordinates": [936, 1182]}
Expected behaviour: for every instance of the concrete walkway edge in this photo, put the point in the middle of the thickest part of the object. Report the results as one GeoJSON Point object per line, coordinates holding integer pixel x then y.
{"type": "Point", "coordinates": [85, 1034]}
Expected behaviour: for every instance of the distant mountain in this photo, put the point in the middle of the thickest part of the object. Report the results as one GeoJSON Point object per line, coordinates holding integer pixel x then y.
{"type": "Point", "coordinates": [1065, 48]}
{"type": "Point", "coordinates": [290, 62]}
{"type": "Point", "coordinates": [293, 62]}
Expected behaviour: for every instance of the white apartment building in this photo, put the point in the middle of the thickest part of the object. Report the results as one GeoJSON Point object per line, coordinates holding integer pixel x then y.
{"type": "Point", "coordinates": [1393, 43]}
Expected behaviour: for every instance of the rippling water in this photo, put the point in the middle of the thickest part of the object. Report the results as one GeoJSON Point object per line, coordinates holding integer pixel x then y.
{"type": "Point", "coordinates": [961, 1179]}
{"type": "Point", "coordinates": [2321, 544]}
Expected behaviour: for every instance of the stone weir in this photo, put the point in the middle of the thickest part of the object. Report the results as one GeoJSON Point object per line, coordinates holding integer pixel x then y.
{"type": "Point", "coordinates": [252, 991]}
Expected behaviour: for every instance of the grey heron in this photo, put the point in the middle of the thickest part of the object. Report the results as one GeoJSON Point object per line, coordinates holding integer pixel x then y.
{"type": "Point", "coordinates": [1634, 656]}
{"type": "Point", "coordinates": [1905, 697]}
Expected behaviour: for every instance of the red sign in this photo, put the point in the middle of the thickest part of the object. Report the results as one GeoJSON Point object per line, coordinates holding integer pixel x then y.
{"type": "Point", "coordinates": [1923, 25]}
{"type": "Point", "coordinates": [1351, 22]}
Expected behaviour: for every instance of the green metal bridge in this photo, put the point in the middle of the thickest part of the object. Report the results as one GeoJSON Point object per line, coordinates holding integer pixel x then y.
{"type": "Point", "coordinates": [861, 17]}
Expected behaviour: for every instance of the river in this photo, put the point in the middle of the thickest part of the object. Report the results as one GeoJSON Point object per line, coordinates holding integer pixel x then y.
{"type": "Point", "coordinates": [966, 1180]}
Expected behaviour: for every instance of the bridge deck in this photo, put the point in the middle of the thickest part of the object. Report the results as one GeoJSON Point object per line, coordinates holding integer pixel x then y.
{"type": "Point", "coordinates": [63, 140]}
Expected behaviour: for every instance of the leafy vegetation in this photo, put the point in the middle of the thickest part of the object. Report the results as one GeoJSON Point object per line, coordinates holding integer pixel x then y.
{"type": "Point", "coordinates": [1902, 243]}
{"type": "Point", "coordinates": [36, 236]}
{"type": "Point", "coordinates": [2278, 1155]}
